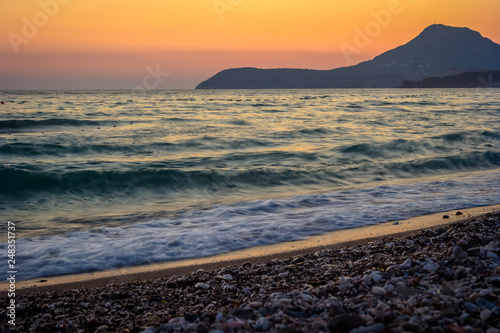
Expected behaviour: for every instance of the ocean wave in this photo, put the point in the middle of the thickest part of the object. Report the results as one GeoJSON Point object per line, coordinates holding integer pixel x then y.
{"type": "Point", "coordinates": [226, 227]}
{"type": "Point", "coordinates": [30, 123]}
{"type": "Point", "coordinates": [211, 174]}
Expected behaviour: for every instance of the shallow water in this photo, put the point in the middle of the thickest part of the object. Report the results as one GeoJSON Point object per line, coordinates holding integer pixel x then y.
{"type": "Point", "coordinates": [102, 179]}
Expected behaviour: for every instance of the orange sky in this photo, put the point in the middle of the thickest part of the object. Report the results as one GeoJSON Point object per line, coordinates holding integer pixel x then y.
{"type": "Point", "coordinates": [83, 44]}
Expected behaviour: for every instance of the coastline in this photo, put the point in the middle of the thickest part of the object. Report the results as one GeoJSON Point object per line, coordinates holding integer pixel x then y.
{"type": "Point", "coordinates": [334, 240]}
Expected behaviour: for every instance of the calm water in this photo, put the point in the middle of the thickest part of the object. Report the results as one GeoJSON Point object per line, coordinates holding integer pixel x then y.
{"type": "Point", "coordinates": [97, 180]}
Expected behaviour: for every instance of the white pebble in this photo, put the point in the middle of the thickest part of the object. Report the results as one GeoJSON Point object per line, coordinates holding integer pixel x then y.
{"type": "Point", "coordinates": [485, 315]}
{"type": "Point", "coordinates": [379, 291]}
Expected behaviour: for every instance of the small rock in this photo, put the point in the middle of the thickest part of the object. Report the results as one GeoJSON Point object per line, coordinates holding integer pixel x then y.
{"type": "Point", "coordinates": [410, 243]}
{"type": "Point", "coordinates": [485, 303]}
{"type": "Point", "coordinates": [236, 325]}
{"type": "Point", "coordinates": [430, 233]}
{"type": "Point", "coordinates": [345, 322]}
{"type": "Point", "coordinates": [459, 254]}
{"type": "Point", "coordinates": [407, 291]}
{"type": "Point", "coordinates": [412, 327]}
{"type": "Point", "coordinates": [219, 317]}
{"type": "Point", "coordinates": [262, 324]}
{"type": "Point", "coordinates": [201, 285]}
{"type": "Point", "coordinates": [368, 329]}
{"type": "Point", "coordinates": [46, 316]}
{"type": "Point", "coordinates": [255, 305]}
{"type": "Point", "coordinates": [485, 315]}
{"type": "Point", "coordinates": [298, 261]}
{"type": "Point", "coordinates": [492, 255]}
{"type": "Point", "coordinates": [320, 326]}
{"type": "Point", "coordinates": [455, 329]}
{"type": "Point", "coordinates": [459, 213]}
{"type": "Point", "coordinates": [379, 291]}
{"type": "Point", "coordinates": [475, 252]}
{"type": "Point", "coordinates": [493, 330]}
{"type": "Point", "coordinates": [431, 267]}
{"type": "Point", "coordinates": [283, 275]}
{"type": "Point", "coordinates": [485, 292]}
{"type": "Point", "coordinates": [395, 223]}
{"type": "Point", "coordinates": [446, 217]}
{"type": "Point", "coordinates": [471, 307]}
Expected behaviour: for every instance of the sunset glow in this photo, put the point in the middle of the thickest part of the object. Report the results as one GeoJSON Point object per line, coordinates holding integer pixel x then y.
{"type": "Point", "coordinates": [52, 44]}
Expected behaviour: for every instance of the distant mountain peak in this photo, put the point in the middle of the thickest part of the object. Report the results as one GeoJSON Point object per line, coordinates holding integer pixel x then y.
{"type": "Point", "coordinates": [437, 51]}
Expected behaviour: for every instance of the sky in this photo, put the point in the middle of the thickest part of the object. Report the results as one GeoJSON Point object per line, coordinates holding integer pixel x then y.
{"type": "Point", "coordinates": [176, 44]}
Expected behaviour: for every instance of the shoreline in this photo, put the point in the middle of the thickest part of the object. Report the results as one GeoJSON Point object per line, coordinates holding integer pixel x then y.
{"type": "Point", "coordinates": [333, 240]}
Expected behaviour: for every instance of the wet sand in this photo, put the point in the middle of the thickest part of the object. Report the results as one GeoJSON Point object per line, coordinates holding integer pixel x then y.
{"type": "Point", "coordinates": [333, 240]}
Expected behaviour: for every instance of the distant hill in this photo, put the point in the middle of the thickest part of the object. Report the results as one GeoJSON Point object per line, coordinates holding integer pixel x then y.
{"type": "Point", "coordinates": [438, 51]}
{"type": "Point", "coordinates": [489, 79]}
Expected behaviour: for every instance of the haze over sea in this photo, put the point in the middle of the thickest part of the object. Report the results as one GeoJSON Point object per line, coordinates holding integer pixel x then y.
{"type": "Point", "coordinates": [102, 179]}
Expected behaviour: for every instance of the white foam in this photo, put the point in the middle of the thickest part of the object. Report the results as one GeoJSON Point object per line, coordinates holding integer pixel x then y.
{"type": "Point", "coordinates": [224, 228]}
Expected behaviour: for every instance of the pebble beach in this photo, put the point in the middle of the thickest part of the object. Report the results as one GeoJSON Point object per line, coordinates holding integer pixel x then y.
{"type": "Point", "coordinates": [443, 279]}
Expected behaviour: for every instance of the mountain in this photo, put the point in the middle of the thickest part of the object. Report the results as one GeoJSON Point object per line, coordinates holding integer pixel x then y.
{"type": "Point", "coordinates": [438, 51]}
{"type": "Point", "coordinates": [489, 79]}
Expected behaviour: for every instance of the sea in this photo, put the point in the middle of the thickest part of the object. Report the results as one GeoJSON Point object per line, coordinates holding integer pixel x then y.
{"type": "Point", "coordinates": [96, 180]}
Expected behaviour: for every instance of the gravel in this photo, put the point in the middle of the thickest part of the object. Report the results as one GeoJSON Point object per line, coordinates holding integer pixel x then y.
{"type": "Point", "coordinates": [445, 279]}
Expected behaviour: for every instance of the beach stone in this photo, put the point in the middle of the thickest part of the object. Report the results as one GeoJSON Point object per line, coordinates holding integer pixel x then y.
{"type": "Point", "coordinates": [410, 243]}
{"type": "Point", "coordinates": [345, 322]}
{"type": "Point", "coordinates": [446, 216]}
{"type": "Point", "coordinates": [262, 324]}
{"type": "Point", "coordinates": [485, 303]}
{"type": "Point", "coordinates": [430, 233]}
{"type": "Point", "coordinates": [243, 314]}
{"type": "Point", "coordinates": [367, 329]}
{"type": "Point", "coordinates": [431, 267]}
{"type": "Point", "coordinates": [219, 317]}
{"type": "Point", "coordinates": [298, 261]}
{"type": "Point", "coordinates": [255, 305]}
{"type": "Point", "coordinates": [412, 327]}
{"type": "Point", "coordinates": [475, 252]}
{"type": "Point", "coordinates": [485, 315]}
{"type": "Point", "coordinates": [202, 286]}
{"type": "Point", "coordinates": [485, 292]}
{"type": "Point", "coordinates": [284, 275]}
{"type": "Point", "coordinates": [493, 330]}
{"type": "Point", "coordinates": [492, 255]}
{"type": "Point", "coordinates": [379, 291]}
{"type": "Point", "coordinates": [320, 326]}
{"type": "Point", "coordinates": [471, 307]}
{"type": "Point", "coordinates": [377, 277]}
{"type": "Point", "coordinates": [459, 254]}
{"type": "Point", "coordinates": [236, 325]}
{"type": "Point", "coordinates": [455, 329]}
{"type": "Point", "coordinates": [407, 291]}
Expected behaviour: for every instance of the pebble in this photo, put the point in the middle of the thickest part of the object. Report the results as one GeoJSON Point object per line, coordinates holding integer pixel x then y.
{"type": "Point", "coordinates": [201, 285]}
{"type": "Point", "coordinates": [379, 291]}
{"type": "Point", "coordinates": [367, 329]}
{"type": "Point", "coordinates": [262, 324]}
{"type": "Point", "coordinates": [492, 255]}
{"type": "Point", "coordinates": [471, 307]}
{"type": "Point", "coordinates": [458, 253]}
{"type": "Point", "coordinates": [431, 267]}
{"type": "Point", "coordinates": [485, 315]}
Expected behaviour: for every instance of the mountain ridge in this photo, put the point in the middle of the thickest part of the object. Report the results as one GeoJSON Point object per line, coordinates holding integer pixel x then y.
{"type": "Point", "coordinates": [439, 50]}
